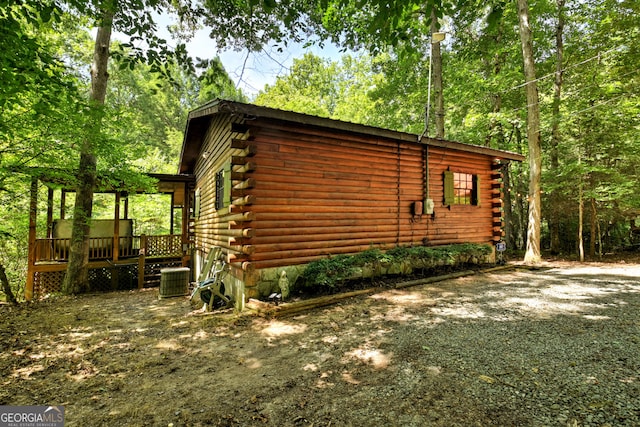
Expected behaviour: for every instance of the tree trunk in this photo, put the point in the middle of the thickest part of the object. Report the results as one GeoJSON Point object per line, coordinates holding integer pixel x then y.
{"type": "Point", "coordinates": [580, 222]}
{"type": "Point", "coordinates": [593, 229]}
{"type": "Point", "coordinates": [554, 211]}
{"type": "Point", "coordinates": [76, 277]}
{"type": "Point", "coordinates": [532, 254]}
{"type": "Point", "coordinates": [507, 205]}
{"type": "Point", "coordinates": [518, 185]}
{"type": "Point", "coordinates": [436, 58]}
{"type": "Point", "coordinates": [495, 125]}
{"type": "Point", "coordinates": [6, 287]}
{"type": "Point", "coordinates": [599, 231]}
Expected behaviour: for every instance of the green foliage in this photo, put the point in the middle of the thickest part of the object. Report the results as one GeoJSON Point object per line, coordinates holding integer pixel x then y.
{"type": "Point", "coordinates": [13, 232]}
{"type": "Point", "coordinates": [215, 83]}
{"type": "Point", "coordinates": [338, 90]}
{"type": "Point", "coordinates": [147, 113]}
{"type": "Point", "coordinates": [45, 118]}
{"type": "Point", "coordinates": [151, 214]}
{"type": "Point", "coordinates": [40, 103]}
{"type": "Point", "coordinates": [329, 274]}
{"type": "Point", "coordinates": [355, 24]}
{"type": "Point", "coordinates": [309, 88]}
{"type": "Point", "coordinates": [41, 116]}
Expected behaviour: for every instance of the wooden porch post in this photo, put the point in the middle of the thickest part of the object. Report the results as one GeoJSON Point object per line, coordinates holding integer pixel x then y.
{"type": "Point", "coordinates": [116, 241]}
{"type": "Point", "coordinates": [171, 231]}
{"type": "Point", "coordinates": [141, 256]}
{"type": "Point", "coordinates": [186, 202]}
{"type": "Point", "coordinates": [49, 213]}
{"type": "Point", "coordinates": [116, 228]}
{"type": "Point", "coordinates": [33, 213]}
{"type": "Point", "coordinates": [63, 202]}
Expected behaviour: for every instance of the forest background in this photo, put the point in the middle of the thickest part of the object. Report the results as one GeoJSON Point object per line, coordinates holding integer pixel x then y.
{"type": "Point", "coordinates": [586, 58]}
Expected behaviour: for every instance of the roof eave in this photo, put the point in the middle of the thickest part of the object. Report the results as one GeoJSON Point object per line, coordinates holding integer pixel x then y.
{"type": "Point", "coordinates": [223, 106]}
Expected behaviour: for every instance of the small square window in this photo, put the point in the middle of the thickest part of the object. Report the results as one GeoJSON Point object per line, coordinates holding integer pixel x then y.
{"type": "Point", "coordinates": [461, 188]}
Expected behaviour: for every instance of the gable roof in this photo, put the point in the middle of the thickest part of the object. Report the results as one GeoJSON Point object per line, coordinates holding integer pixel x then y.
{"type": "Point", "coordinates": [198, 121]}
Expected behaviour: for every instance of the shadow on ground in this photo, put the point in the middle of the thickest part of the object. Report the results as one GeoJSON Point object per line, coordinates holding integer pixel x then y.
{"type": "Point", "coordinates": [554, 346]}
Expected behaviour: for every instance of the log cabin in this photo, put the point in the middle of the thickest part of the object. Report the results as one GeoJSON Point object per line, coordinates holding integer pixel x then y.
{"type": "Point", "coordinates": [276, 189]}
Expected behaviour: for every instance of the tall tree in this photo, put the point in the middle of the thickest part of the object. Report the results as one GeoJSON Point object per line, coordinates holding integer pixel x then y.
{"type": "Point", "coordinates": [554, 212]}
{"type": "Point", "coordinates": [135, 19]}
{"type": "Point", "coordinates": [214, 82]}
{"type": "Point", "coordinates": [76, 276]}
{"type": "Point", "coordinates": [532, 254]}
{"type": "Point", "coordinates": [436, 60]}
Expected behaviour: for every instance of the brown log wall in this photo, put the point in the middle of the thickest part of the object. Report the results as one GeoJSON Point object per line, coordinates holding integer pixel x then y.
{"type": "Point", "coordinates": [318, 194]}
{"type": "Point", "coordinates": [301, 193]}
{"type": "Point", "coordinates": [460, 223]}
{"type": "Point", "coordinates": [214, 227]}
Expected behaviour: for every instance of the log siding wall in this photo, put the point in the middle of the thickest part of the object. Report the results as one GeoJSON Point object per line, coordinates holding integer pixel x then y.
{"type": "Point", "coordinates": [461, 223]}
{"type": "Point", "coordinates": [318, 194]}
{"type": "Point", "coordinates": [300, 193]}
{"type": "Point", "coordinates": [298, 188]}
{"type": "Point", "coordinates": [217, 227]}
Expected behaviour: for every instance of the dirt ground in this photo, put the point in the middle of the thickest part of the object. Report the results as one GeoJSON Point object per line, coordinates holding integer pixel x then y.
{"type": "Point", "coordinates": [510, 347]}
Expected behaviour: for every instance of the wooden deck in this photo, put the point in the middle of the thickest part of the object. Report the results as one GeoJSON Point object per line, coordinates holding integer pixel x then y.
{"type": "Point", "coordinates": [102, 248]}
{"type": "Point", "coordinates": [118, 259]}
{"type": "Point", "coordinates": [123, 263]}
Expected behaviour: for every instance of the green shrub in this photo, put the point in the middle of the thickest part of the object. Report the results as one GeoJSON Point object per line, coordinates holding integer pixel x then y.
{"type": "Point", "coordinates": [327, 274]}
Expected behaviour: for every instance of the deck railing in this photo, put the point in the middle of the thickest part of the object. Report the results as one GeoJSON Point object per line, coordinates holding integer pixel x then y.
{"type": "Point", "coordinates": [162, 245]}
{"type": "Point", "coordinates": [101, 248]}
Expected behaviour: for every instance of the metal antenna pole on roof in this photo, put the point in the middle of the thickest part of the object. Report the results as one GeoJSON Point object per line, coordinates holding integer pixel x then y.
{"type": "Point", "coordinates": [428, 202]}
{"type": "Point", "coordinates": [435, 38]}
{"type": "Point", "coordinates": [428, 107]}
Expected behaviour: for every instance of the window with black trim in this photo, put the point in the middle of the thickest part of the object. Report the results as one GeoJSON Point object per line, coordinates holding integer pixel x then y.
{"type": "Point", "coordinates": [461, 188]}
{"type": "Point", "coordinates": [223, 187]}
{"type": "Point", "coordinates": [196, 203]}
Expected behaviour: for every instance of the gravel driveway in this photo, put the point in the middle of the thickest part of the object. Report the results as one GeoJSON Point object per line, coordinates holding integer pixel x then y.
{"type": "Point", "coordinates": [556, 346]}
